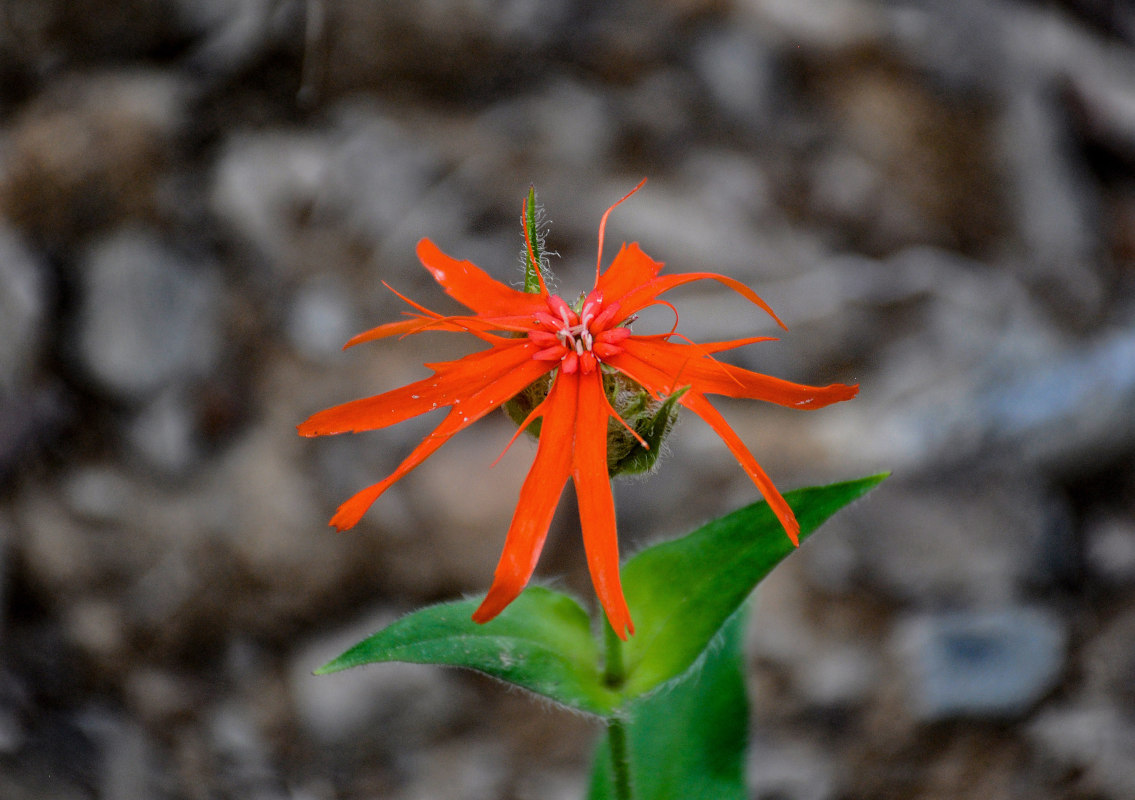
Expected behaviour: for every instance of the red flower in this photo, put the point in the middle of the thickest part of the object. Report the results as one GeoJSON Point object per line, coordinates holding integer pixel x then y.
{"type": "Point", "coordinates": [531, 335]}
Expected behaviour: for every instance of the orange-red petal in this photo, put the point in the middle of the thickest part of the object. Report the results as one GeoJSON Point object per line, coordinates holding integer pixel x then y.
{"type": "Point", "coordinates": [687, 365]}
{"type": "Point", "coordinates": [661, 368]}
{"type": "Point", "coordinates": [405, 327]}
{"type": "Point", "coordinates": [471, 286]}
{"type": "Point", "coordinates": [596, 504]}
{"type": "Point", "coordinates": [472, 409]}
{"type": "Point", "coordinates": [644, 295]}
{"type": "Point", "coordinates": [697, 403]}
{"type": "Point", "coordinates": [538, 498]}
{"type": "Point", "coordinates": [716, 347]}
{"type": "Point", "coordinates": [451, 381]}
{"type": "Point", "coordinates": [630, 269]}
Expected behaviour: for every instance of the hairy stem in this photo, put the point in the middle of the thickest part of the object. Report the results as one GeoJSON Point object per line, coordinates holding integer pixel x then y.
{"type": "Point", "coordinates": [614, 674]}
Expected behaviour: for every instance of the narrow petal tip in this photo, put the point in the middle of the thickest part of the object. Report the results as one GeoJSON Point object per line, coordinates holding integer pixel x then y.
{"type": "Point", "coordinates": [792, 529]}
{"type": "Point", "coordinates": [344, 521]}
{"type": "Point", "coordinates": [495, 602]}
{"type": "Point", "coordinates": [352, 511]}
{"type": "Point", "coordinates": [623, 629]}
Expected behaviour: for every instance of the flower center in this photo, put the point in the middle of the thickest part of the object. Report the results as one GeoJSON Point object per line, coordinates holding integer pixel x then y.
{"type": "Point", "coordinates": [576, 336]}
{"type": "Point", "coordinates": [579, 341]}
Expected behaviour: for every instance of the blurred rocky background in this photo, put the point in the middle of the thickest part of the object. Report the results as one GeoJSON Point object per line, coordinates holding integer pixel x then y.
{"type": "Point", "coordinates": [200, 200]}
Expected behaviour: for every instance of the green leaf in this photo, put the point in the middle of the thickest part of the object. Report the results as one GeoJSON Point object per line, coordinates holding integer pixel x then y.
{"type": "Point", "coordinates": [541, 642]}
{"type": "Point", "coordinates": [681, 592]}
{"type": "Point", "coordinates": [688, 742]}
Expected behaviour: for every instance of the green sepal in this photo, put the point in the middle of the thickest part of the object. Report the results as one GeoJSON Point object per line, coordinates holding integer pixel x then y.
{"type": "Point", "coordinates": [525, 401]}
{"type": "Point", "coordinates": [533, 254]}
{"type": "Point", "coordinates": [541, 642]}
{"type": "Point", "coordinates": [649, 418]}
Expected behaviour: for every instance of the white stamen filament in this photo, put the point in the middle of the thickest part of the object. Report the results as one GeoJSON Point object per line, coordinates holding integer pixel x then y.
{"type": "Point", "coordinates": [577, 337]}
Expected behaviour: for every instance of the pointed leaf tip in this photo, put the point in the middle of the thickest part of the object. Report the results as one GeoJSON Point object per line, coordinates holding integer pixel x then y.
{"type": "Point", "coordinates": [684, 590]}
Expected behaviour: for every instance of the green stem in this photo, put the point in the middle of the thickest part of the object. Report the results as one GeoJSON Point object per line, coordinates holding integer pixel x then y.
{"type": "Point", "coordinates": [613, 671]}
{"type": "Point", "coordinates": [614, 674]}
{"type": "Point", "coordinates": [620, 762]}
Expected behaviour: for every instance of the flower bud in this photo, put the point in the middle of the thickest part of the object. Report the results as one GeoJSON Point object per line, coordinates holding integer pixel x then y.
{"type": "Point", "coordinates": [648, 416]}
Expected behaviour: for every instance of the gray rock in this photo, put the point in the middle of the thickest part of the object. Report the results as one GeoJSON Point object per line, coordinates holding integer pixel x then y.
{"type": "Point", "coordinates": [960, 42]}
{"type": "Point", "coordinates": [1072, 410]}
{"type": "Point", "coordinates": [311, 201]}
{"type": "Point", "coordinates": [163, 436]}
{"type": "Point", "coordinates": [792, 770]}
{"type": "Point", "coordinates": [14, 703]}
{"type": "Point", "coordinates": [1106, 96]}
{"type": "Point", "coordinates": [823, 25]}
{"type": "Point", "coordinates": [470, 768]}
{"type": "Point", "coordinates": [149, 315]}
{"type": "Point", "coordinates": [984, 376]}
{"type": "Point", "coordinates": [469, 44]}
{"type": "Point", "coordinates": [986, 664]}
{"type": "Point", "coordinates": [127, 768]}
{"type": "Point", "coordinates": [321, 318]}
{"type": "Point", "coordinates": [681, 222]}
{"type": "Point", "coordinates": [563, 784]}
{"type": "Point", "coordinates": [565, 120]}
{"type": "Point", "coordinates": [241, 745]}
{"type": "Point", "coordinates": [736, 66]}
{"type": "Point", "coordinates": [259, 180]}
{"type": "Point", "coordinates": [1106, 661]}
{"type": "Point", "coordinates": [29, 420]}
{"type": "Point", "coordinates": [1053, 202]}
{"type": "Point", "coordinates": [825, 669]}
{"type": "Point", "coordinates": [97, 627]}
{"type": "Point", "coordinates": [1109, 548]}
{"type": "Point", "coordinates": [160, 698]}
{"type": "Point", "coordinates": [23, 310]}
{"type": "Point", "coordinates": [232, 32]}
{"type": "Point", "coordinates": [842, 676]}
{"type": "Point", "coordinates": [982, 543]}
{"type": "Point", "coordinates": [377, 169]}
{"type": "Point", "coordinates": [11, 732]}
{"type": "Point", "coordinates": [845, 186]}
{"type": "Point", "coordinates": [1093, 742]}
{"type": "Point", "coordinates": [90, 152]}
{"type": "Point", "coordinates": [97, 494]}
{"type": "Point", "coordinates": [1067, 411]}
